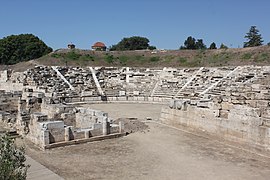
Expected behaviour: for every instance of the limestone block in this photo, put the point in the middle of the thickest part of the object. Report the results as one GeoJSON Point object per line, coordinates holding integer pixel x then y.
{"type": "Point", "coordinates": [97, 126]}
{"type": "Point", "coordinates": [226, 106]}
{"type": "Point", "coordinates": [224, 114]}
{"type": "Point", "coordinates": [122, 93]}
{"type": "Point", "coordinates": [235, 101]}
{"type": "Point", "coordinates": [256, 87]}
{"type": "Point", "coordinates": [266, 121]}
{"type": "Point", "coordinates": [136, 93]}
{"type": "Point", "coordinates": [172, 104]}
{"type": "Point", "coordinates": [262, 104]}
{"type": "Point", "coordinates": [130, 98]}
{"type": "Point", "coordinates": [252, 103]}
{"type": "Point", "coordinates": [178, 104]}
{"type": "Point", "coordinates": [203, 104]}
{"type": "Point", "coordinates": [265, 91]}
{"type": "Point", "coordinates": [122, 98]}
{"type": "Point", "coordinates": [193, 102]}
{"type": "Point", "coordinates": [38, 117]}
{"type": "Point", "coordinates": [49, 125]}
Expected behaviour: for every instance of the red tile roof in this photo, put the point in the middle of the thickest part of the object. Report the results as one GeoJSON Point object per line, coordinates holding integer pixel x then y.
{"type": "Point", "coordinates": [99, 44]}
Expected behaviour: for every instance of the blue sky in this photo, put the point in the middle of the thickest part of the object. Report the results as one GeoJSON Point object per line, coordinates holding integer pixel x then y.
{"type": "Point", "coordinates": [165, 23]}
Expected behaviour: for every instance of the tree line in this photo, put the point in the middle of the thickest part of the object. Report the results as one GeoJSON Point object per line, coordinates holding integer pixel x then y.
{"type": "Point", "coordinates": [23, 47]}
{"type": "Point", "coordinates": [253, 37]}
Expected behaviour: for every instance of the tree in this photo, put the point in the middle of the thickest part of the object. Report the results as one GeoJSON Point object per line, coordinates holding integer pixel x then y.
{"type": "Point", "coordinates": [253, 38]}
{"type": "Point", "coordinates": [23, 47]}
{"type": "Point", "coordinates": [12, 160]}
{"type": "Point", "coordinates": [213, 46]}
{"type": "Point", "coordinates": [223, 46]}
{"type": "Point", "coordinates": [192, 43]}
{"type": "Point", "coordinates": [132, 43]}
{"type": "Point", "coordinates": [268, 44]}
{"type": "Point", "coordinates": [200, 45]}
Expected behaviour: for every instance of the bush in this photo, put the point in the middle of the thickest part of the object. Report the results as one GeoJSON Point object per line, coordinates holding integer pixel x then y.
{"type": "Point", "coordinates": [12, 160]}
{"type": "Point", "coordinates": [23, 47]}
{"type": "Point", "coordinates": [109, 58]}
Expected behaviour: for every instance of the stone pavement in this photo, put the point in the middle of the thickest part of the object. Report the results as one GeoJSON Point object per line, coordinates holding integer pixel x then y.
{"type": "Point", "coordinates": [39, 172]}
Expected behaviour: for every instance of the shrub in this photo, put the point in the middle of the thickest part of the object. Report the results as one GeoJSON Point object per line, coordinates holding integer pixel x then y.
{"type": "Point", "coordinates": [12, 160]}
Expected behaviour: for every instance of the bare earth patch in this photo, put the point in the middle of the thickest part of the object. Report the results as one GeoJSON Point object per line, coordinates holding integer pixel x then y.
{"type": "Point", "coordinates": [153, 152]}
{"type": "Point", "coordinates": [159, 153]}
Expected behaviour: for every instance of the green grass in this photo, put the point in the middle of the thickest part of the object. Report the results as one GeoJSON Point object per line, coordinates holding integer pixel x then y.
{"type": "Point", "coordinates": [182, 60]}
{"type": "Point", "coordinates": [262, 57]}
{"type": "Point", "coordinates": [155, 59]}
{"type": "Point", "coordinates": [109, 58]}
{"type": "Point", "coordinates": [246, 56]}
{"type": "Point", "coordinates": [123, 60]}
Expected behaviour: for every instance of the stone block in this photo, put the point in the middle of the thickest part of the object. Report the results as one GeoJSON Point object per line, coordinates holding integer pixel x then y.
{"type": "Point", "coordinates": [122, 98]}
{"type": "Point", "coordinates": [203, 104]}
{"type": "Point", "coordinates": [226, 106]}
{"type": "Point", "coordinates": [136, 93]}
{"type": "Point", "coordinates": [252, 103]}
{"type": "Point", "coordinates": [49, 125]}
{"type": "Point", "coordinates": [262, 104]}
{"type": "Point", "coordinates": [223, 114]}
{"type": "Point", "coordinates": [236, 101]}
{"type": "Point", "coordinates": [122, 93]}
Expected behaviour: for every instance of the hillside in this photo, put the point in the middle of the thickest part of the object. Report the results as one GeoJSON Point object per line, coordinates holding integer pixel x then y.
{"type": "Point", "coordinates": [171, 58]}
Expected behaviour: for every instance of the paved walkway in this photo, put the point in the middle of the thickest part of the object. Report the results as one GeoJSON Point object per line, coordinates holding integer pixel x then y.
{"type": "Point", "coordinates": [39, 172]}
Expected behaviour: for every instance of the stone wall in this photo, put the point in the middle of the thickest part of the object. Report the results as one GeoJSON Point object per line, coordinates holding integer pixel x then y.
{"type": "Point", "coordinates": [3, 76]}
{"type": "Point", "coordinates": [233, 122]}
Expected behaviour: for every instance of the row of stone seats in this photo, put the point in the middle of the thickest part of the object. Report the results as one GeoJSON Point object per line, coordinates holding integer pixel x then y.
{"type": "Point", "coordinates": [166, 82]}
{"type": "Point", "coordinates": [243, 80]}
{"type": "Point", "coordinates": [44, 77]}
{"type": "Point", "coordinates": [81, 79]}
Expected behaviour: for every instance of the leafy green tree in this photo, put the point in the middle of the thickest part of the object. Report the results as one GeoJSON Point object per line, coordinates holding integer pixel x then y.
{"type": "Point", "coordinates": [213, 46]}
{"type": "Point", "coordinates": [190, 43]}
{"type": "Point", "coordinates": [253, 38]}
{"type": "Point", "coordinates": [132, 43]}
{"type": "Point", "coordinates": [223, 46]}
{"type": "Point", "coordinates": [23, 47]}
{"type": "Point", "coordinates": [200, 45]}
{"type": "Point", "coordinates": [12, 160]}
{"type": "Point", "coordinates": [268, 44]}
{"type": "Point", "coordinates": [152, 47]}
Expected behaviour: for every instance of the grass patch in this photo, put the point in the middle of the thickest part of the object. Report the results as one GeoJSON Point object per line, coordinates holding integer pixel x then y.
{"type": "Point", "coordinates": [182, 60]}
{"type": "Point", "coordinates": [246, 56]}
{"type": "Point", "coordinates": [154, 59]}
{"type": "Point", "coordinates": [220, 58]}
{"type": "Point", "coordinates": [123, 60]}
{"type": "Point", "coordinates": [72, 55]}
{"type": "Point", "coordinates": [262, 57]}
{"type": "Point", "coordinates": [56, 55]}
{"type": "Point", "coordinates": [87, 57]}
{"type": "Point", "coordinates": [109, 58]}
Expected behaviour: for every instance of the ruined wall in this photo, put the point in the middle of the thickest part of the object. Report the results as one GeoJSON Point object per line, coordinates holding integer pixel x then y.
{"type": "Point", "coordinates": [234, 122]}
{"type": "Point", "coordinates": [3, 76]}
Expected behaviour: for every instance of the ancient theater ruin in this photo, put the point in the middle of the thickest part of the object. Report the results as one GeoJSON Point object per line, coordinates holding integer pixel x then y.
{"type": "Point", "coordinates": [42, 103]}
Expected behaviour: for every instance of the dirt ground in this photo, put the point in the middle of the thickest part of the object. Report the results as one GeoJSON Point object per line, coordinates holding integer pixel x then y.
{"type": "Point", "coordinates": [158, 152]}
{"type": "Point", "coordinates": [139, 111]}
